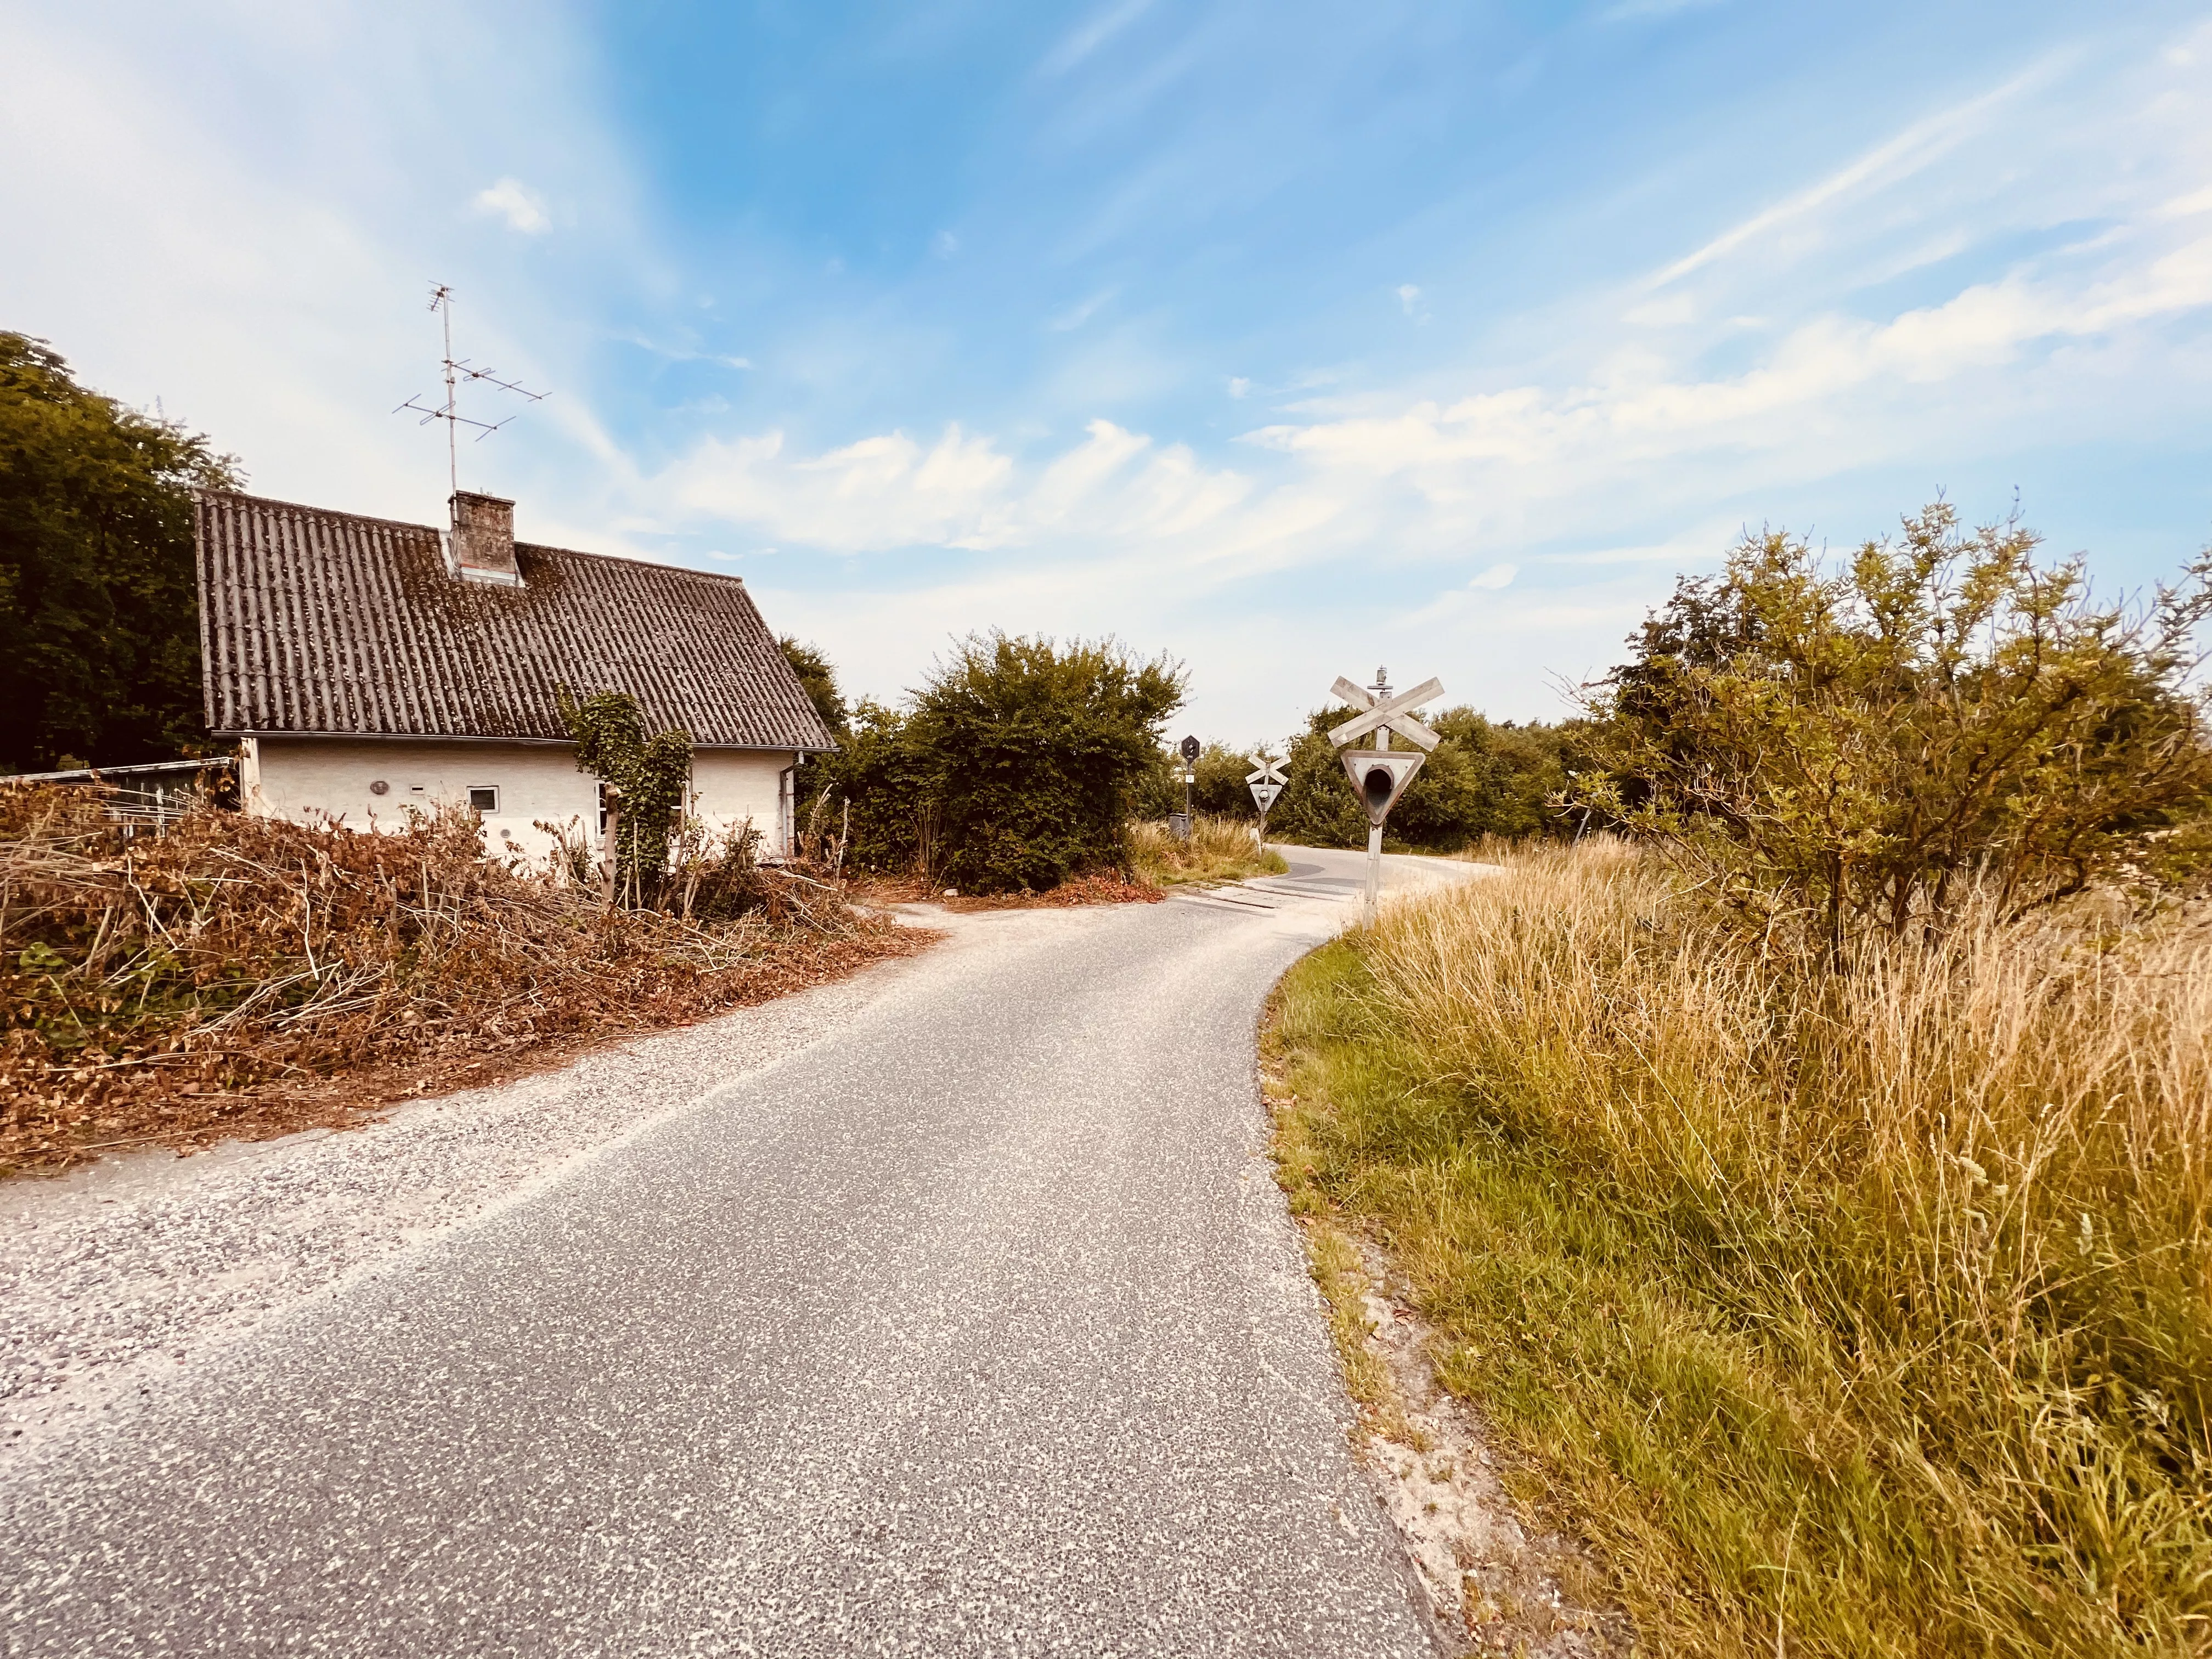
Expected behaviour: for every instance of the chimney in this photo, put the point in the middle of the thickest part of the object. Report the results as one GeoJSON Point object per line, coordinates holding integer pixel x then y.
{"type": "Point", "coordinates": [483, 538]}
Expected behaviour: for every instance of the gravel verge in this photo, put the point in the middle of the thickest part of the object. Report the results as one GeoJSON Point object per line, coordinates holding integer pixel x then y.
{"type": "Point", "coordinates": [123, 1271]}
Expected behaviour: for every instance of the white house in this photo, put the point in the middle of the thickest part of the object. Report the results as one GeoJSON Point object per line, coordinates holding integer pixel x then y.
{"type": "Point", "coordinates": [365, 666]}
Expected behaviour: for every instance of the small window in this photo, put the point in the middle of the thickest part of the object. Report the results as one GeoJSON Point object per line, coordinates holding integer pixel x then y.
{"type": "Point", "coordinates": [603, 809]}
{"type": "Point", "coordinates": [484, 798]}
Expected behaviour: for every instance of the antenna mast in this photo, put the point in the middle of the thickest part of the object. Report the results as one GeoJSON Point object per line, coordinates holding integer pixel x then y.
{"type": "Point", "coordinates": [458, 371]}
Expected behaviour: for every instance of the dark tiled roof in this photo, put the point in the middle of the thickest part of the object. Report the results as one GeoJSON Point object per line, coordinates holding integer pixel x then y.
{"type": "Point", "coordinates": [315, 621]}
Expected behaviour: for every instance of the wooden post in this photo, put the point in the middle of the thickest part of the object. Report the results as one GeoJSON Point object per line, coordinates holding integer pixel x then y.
{"type": "Point", "coordinates": [614, 840]}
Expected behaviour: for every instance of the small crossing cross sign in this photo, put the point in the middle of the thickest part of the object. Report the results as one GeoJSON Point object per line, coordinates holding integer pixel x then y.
{"type": "Point", "coordinates": [1266, 781]}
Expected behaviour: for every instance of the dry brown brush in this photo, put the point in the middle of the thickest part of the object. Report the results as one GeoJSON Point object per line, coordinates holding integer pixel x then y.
{"type": "Point", "coordinates": [244, 974]}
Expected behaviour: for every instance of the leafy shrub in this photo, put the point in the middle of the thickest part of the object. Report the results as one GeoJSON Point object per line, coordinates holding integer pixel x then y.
{"type": "Point", "coordinates": [1857, 746]}
{"type": "Point", "coordinates": [645, 779]}
{"type": "Point", "coordinates": [1015, 767]}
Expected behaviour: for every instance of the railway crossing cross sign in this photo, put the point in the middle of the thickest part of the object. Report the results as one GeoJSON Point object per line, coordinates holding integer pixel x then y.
{"type": "Point", "coordinates": [1266, 781]}
{"type": "Point", "coordinates": [1380, 774]}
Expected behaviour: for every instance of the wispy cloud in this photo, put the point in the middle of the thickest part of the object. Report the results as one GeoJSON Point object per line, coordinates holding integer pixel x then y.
{"type": "Point", "coordinates": [1915, 147]}
{"type": "Point", "coordinates": [1632, 11]}
{"type": "Point", "coordinates": [676, 354]}
{"type": "Point", "coordinates": [1082, 312]}
{"type": "Point", "coordinates": [1087, 38]}
{"type": "Point", "coordinates": [516, 202]}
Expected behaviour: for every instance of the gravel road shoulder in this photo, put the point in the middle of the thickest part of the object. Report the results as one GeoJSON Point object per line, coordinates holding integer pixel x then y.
{"type": "Point", "coordinates": [122, 1272]}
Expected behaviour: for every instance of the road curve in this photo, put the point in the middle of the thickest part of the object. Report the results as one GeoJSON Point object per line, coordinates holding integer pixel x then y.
{"type": "Point", "coordinates": [977, 1328]}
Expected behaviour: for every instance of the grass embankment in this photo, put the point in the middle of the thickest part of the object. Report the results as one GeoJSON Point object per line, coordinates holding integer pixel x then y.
{"type": "Point", "coordinates": [1218, 850]}
{"type": "Point", "coordinates": [243, 976]}
{"type": "Point", "coordinates": [1855, 1314]}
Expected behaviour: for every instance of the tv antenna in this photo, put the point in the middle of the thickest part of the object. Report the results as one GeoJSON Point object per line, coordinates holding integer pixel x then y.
{"type": "Point", "coordinates": [461, 372]}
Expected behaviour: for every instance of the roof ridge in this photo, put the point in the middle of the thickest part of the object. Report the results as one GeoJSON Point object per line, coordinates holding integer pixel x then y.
{"type": "Point", "coordinates": [433, 529]}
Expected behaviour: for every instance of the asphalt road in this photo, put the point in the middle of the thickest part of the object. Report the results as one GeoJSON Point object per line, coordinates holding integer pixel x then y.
{"type": "Point", "coordinates": [976, 1327]}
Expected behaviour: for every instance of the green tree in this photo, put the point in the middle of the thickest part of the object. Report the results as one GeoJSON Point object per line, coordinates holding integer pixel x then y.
{"type": "Point", "coordinates": [819, 681]}
{"type": "Point", "coordinates": [1854, 744]}
{"type": "Point", "coordinates": [99, 601]}
{"type": "Point", "coordinates": [1219, 791]}
{"type": "Point", "coordinates": [891, 784]}
{"type": "Point", "coordinates": [815, 774]}
{"type": "Point", "coordinates": [1317, 806]}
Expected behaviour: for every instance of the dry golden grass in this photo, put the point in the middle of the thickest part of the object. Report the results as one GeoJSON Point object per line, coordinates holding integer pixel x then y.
{"type": "Point", "coordinates": [1218, 850]}
{"type": "Point", "coordinates": [1853, 1313]}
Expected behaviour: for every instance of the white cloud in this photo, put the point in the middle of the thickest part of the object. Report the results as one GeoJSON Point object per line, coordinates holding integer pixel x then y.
{"type": "Point", "coordinates": [944, 245]}
{"type": "Point", "coordinates": [1113, 488]}
{"type": "Point", "coordinates": [1632, 429]}
{"type": "Point", "coordinates": [677, 354]}
{"type": "Point", "coordinates": [1638, 412]}
{"type": "Point", "coordinates": [516, 202]}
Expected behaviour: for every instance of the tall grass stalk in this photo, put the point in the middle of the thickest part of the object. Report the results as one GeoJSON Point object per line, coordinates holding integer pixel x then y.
{"type": "Point", "coordinates": [1219, 849]}
{"type": "Point", "coordinates": [1855, 1313]}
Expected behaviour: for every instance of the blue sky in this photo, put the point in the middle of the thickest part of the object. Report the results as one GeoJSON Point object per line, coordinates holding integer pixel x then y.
{"type": "Point", "coordinates": [1287, 339]}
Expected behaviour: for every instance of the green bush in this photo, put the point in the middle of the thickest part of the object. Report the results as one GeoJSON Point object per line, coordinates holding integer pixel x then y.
{"type": "Point", "coordinates": [1015, 767]}
{"type": "Point", "coordinates": [1861, 744]}
{"type": "Point", "coordinates": [645, 778]}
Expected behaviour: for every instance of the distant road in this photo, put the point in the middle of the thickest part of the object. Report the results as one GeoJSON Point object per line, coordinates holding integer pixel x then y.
{"type": "Point", "coordinates": [971, 1324]}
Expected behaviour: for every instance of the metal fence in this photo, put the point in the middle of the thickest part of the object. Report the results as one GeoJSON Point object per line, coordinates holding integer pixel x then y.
{"type": "Point", "coordinates": [148, 798]}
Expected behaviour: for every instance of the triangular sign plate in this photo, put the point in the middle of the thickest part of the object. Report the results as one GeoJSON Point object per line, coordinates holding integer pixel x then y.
{"type": "Point", "coordinates": [1265, 794]}
{"type": "Point", "coordinates": [1379, 776]}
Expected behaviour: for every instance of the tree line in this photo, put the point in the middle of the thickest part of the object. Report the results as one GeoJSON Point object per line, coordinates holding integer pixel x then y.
{"type": "Point", "coordinates": [100, 645]}
{"type": "Point", "coordinates": [1852, 741]}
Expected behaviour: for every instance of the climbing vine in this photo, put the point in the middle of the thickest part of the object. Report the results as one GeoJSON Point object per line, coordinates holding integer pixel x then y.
{"type": "Point", "coordinates": [645, 779]}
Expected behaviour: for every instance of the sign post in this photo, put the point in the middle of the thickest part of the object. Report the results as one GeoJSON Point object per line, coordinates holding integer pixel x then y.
{"type": "Point", "coordinates": [1379, 775]}
{"type": "Point", "coordinates": [1266, 781]}
{"type": "Point", "coordinates": [1179, 823]}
